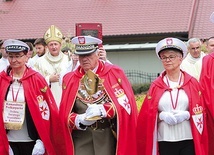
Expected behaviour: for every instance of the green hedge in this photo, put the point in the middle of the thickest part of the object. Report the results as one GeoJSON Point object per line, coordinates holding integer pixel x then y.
{"type": "Point", "coordinates": [140, 88]}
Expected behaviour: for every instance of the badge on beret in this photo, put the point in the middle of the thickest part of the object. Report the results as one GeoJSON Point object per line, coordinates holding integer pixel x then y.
{"type": "Point", "coordinates": [169, 41]}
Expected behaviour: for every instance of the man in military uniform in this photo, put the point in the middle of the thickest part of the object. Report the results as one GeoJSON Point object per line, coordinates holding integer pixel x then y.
{"type": "Point", "coordinates": [98, 108]}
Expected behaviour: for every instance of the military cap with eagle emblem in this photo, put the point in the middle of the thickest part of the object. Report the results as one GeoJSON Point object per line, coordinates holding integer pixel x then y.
{"type": "Point", "coordinates": [85, 44]}
{"type": "Point", "coordinates": [53, 34]}
{"type": "Point", "coordinates": [171, 43]}
{"type": "Point", "coordinates": [13, 45]}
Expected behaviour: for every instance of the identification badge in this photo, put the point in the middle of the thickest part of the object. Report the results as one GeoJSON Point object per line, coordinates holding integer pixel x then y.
{"type": "Point", "coordinates": [13, 115]}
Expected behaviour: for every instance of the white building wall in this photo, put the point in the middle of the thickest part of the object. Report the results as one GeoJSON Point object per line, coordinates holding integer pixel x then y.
{"type": "Point", "coordinates": [145, 60]}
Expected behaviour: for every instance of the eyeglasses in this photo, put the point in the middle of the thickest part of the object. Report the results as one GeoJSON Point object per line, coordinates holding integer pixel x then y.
{"type": "Point", "coordinates": [17, 57]}
{"type": "Point", "coordinates": [170, 58]}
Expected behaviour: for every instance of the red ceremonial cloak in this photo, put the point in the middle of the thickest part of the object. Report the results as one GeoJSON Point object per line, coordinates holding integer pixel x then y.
{"type": "Point", "coordinates": [114, 79]}
{"type": "Point", "coordinates": [35, 89]}
{"type": "Point", "coordinates": [207, 84]}
{"type": "Point", "coordinates": [148, 116]}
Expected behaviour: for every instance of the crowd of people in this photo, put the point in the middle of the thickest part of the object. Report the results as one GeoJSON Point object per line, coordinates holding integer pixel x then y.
{"type": "Point", "coordinates": [62, 102]}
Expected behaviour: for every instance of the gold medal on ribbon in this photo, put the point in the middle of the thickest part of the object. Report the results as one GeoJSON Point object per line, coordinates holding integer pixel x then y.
{"type": "Point", "coordinates": [91, 83]}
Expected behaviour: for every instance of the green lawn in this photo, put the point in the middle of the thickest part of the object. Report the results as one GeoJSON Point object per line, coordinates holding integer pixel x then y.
{"type": "Point", "coordinates": [139, 99]}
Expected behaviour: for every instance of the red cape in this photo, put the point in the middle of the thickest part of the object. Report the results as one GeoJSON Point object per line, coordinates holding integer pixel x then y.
{"type": "Point", "coordinates": [148, 114]}
{"type": "Point", "coordinates": [207, 84]}
{"type": "Point", "coordinates": [34, 85]}
{"type": "Point", "coordinates": [113, 77]}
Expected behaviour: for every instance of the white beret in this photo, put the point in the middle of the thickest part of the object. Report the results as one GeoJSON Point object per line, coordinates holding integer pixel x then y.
{"type": "Point", "coordinates": [85, 44]}
{"type": "Point", "coordinates": [171, 43]}
{"type": "Point", "coordinates": [13, 45]}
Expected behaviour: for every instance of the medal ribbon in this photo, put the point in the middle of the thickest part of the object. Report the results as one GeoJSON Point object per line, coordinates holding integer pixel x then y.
{"type": "Point", "coordinates": [170, 91]}
{"type": "Point", "coordinates": [15, 97]}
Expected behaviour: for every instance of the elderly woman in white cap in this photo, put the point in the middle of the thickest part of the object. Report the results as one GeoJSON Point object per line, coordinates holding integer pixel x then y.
{"type": "Point", "coordinates": [28, 107]}
{"type": "Point", "coordinates": [171, 120]}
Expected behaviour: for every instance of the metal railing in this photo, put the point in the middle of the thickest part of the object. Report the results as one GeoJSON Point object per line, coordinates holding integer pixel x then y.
{"type": "Point", "coordinates": [140, 77]}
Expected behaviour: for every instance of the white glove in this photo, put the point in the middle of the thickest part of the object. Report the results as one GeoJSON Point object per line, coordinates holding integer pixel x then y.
{"type": "Point", "coordinates": [39, 148]}
{"type": "Point", "coordinates": [10, 151]}
{"type": "Point", "coordinates": [95, 110]}
{"type": "Point", "coordinates": [168, 117]}
{"type": "Point", "coordinates": [181, 115]}
{"type": "Point", "coordinates": [81, 118]}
